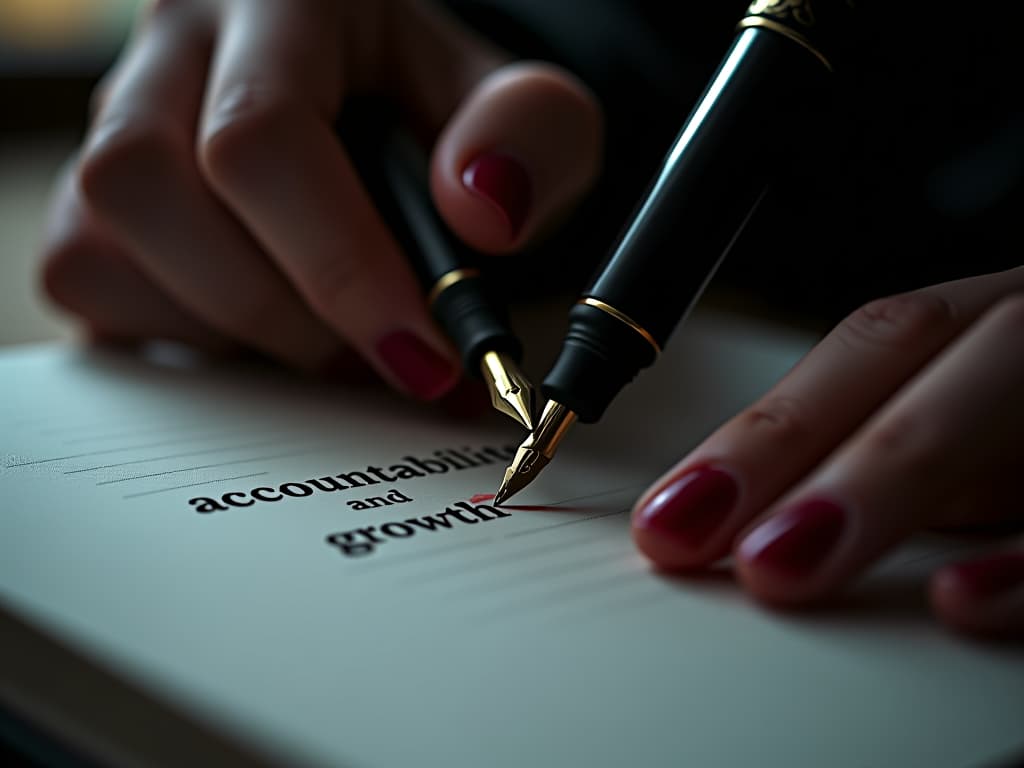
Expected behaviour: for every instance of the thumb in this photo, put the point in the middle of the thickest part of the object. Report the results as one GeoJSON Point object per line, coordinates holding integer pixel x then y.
{"type": "Point", "coordinates": [522, 147]}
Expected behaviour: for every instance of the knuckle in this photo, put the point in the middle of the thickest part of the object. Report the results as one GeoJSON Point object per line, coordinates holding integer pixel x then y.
{"type": "Point", "coordinates": [57, 271]}
{"type": "Point", "coordinates": [124, 158]}
{"type": "Point", "coordinates": [783, 421]}
{"type": "Point", "coordinates": [908, 444]}
{"type": "Point", "coordinates": [895, 321]}
{"type": "Point", "coordinates": [345, 282]}
{"type": "Point", "coordinates": [245, 125]}
{"type": "Point", "coordinates": [65, 269]}
{"type": "Point", "coordinates": [1010, 310]}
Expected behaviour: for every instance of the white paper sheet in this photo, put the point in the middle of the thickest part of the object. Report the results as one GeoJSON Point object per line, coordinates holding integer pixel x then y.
{"type": "Point", "coordinates": [535, 638]}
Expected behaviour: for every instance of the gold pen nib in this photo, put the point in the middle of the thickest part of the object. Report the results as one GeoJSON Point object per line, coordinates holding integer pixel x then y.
{"type": "Point", "coordinates": [511, 392]}
{"type": "Point", "coordinates": [526, 465]}
{"type": "Point", "coordinates": [536, 450]}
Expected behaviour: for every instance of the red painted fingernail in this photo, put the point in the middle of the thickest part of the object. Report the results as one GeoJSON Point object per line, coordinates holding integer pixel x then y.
{"type": "Point", "coordinates": [795, 542]}
{"type": "Point", "coordinates": [992, 576]}
{"type": "Point", "coordinates": [503, 182]}
{"type": "Point", "coordinates": [423, 372]}
{"type": "Point", "coordinates": [690, 508]}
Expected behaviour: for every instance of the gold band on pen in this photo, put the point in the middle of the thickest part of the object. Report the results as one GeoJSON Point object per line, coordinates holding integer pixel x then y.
{"type": "Point", "coordinates": [622, 317]}
{"type": "Point", "coordinates": [760, 21]}
{"type": "Point", "coordinates": [447, 280]}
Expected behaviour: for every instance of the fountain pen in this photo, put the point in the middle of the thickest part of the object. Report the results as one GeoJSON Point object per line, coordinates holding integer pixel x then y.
{"type": "Point", "coordinates": [393, 169]}
{"type": "Point", "coordinates": [744, 127]}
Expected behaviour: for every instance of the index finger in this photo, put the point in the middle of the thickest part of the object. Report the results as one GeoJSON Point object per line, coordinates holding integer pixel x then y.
{"type": "Point", "coordinates": [269, 149]}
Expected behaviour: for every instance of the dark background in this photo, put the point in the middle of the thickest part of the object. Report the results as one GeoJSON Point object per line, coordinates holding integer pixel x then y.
{"type": "Point", "coordinates": [915, 174]}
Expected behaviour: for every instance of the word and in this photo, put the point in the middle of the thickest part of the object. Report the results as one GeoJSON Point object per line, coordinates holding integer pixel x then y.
{"type": "Point", "coordinates": [364, 541]}
{"type": "Point", "coordinates": [394, 496]}
{"type": "Point", "coordinates": [408, 468]}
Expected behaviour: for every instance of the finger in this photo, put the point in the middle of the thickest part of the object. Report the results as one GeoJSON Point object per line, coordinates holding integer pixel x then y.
{"type": "Point", "coordinates": [690, 517]}
{"type": "Point", "coordinates": [523, 147]}
{"type": "Point", "coordinates": [983, 596]}
{"type": "Point", "coordinates": [429, 61]}
{"type": "Point", "coordinates": [86, 272]}
{"type": "Point", "coordinates": [139, 176]}
{"type": "Point", "coordinates": [269, 150]}
{"type": "Point", "coordinates": [954, 430]}
{"type": "Point", "coordinates": [522, 143]}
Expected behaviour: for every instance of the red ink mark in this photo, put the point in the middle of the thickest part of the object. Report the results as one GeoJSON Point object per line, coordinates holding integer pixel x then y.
{"type": "Point", "coordinates": [522, 507]}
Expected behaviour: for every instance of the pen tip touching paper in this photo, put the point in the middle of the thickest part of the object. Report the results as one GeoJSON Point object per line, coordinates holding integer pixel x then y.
{"type": "Point", "coordinates": [526, 465]}
{"type": "Point", "coordinates": [537, 450]}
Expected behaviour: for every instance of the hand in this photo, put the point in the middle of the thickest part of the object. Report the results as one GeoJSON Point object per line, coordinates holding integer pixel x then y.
{"type": "Point", "coordinates": [212, 203]}
{"type": "Point", "coordinates": [909, 414]}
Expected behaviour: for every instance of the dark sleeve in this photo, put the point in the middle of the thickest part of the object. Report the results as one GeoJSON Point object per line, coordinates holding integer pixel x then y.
{"type": "Point", "coordinates": [916, 175]}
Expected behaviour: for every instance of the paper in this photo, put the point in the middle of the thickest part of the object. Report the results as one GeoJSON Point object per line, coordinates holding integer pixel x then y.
{"type": "Point", "coordinates": [289, 565]}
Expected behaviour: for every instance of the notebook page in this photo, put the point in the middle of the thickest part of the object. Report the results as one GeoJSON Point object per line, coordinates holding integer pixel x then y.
{"type": "Point", "coordinates": [316, 573]}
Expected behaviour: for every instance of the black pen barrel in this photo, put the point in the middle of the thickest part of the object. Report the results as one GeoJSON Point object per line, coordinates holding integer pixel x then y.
{"type": "Point", "coordinates": [733, 142]}
{"type": "Point", "coordinates": [394, 170]}
{"type": "Point", "coordinates": [458, 295]}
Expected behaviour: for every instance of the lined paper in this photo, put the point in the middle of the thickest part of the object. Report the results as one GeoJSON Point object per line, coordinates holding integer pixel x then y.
{"type": "Point", "coordinates": [540, 637]}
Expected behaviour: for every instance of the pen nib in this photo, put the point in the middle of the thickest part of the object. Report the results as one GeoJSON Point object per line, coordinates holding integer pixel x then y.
{"type": "Point", "coordinates": [526, 465]}
{"type": "Point", "coordinates": [511, 392]}
{"type": "Point", "coordinates": [536, 450]}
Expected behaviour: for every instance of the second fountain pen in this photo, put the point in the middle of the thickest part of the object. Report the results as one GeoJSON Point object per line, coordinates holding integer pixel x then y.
{"type": "Point", "coordinates": [742, 128]}
{"type": "Point", "coordinates": [393, 168]}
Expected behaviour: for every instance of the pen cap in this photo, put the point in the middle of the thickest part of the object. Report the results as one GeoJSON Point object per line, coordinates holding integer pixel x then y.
{"type": "Point", "coordinates": [825, 28]}
{"type": "Point", "coordinates": [766, 95]}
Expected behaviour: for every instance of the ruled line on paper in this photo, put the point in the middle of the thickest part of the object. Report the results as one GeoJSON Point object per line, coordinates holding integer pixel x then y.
{"type": "Point", "coordinates": [596, 495]}
{"type": "Point", "coordinates": [232, 447]}
{"type": "Point", "coordinates": [613, 581]}
{"type": "Point", "coordinates": [541, 528]}
{"type": "Point", "coordinates": [138, 432]}
{"type": "Point", "coordinates": [547, 571]}
{"type": "Point", "coordinates": [449, 570]}
{"type": "Point", "coordinates": [216, 464]}
{"type": "Point", "coordinates": [192, 485]}
{"type": "Point", "coordinates": [116, 450]}
{"type": "Point", "coordinates": [425, 554]}
{"type": "Point", "coordinates": [63, 430]}
{"type": "Point", "coordinates": [462, 568]}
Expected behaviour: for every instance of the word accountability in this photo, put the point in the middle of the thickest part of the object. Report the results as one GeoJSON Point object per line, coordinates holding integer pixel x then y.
{"type": "Point", "coordinates": [408, 468]}
{"type": "Point", "coordinates": [363, 541]}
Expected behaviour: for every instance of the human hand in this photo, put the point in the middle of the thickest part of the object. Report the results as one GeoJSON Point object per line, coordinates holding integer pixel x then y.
{"type": "Point", "coordinates": [212, 203]}
{"type": "Point", "coordinates": [908, 415]}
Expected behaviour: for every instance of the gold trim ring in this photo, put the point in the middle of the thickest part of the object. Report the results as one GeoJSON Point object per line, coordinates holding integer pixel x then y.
{"type": "Point", "coordinates": [622, 317]}
{"type": "Point", "coordinates": [760, 21]}
{"type": "Point", "coordinates": [447, 280]}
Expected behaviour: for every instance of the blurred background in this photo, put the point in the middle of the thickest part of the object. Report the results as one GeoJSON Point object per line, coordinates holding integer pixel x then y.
{"type": "Point", "coordinates": [52, 52]}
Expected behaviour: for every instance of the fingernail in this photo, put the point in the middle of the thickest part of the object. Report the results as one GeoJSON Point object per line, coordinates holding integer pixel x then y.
{"type": "Point", "coordinates": [991, 577]}
{"type": "Point", "coordinates": [422, 371]}
{"type": "Point", "coordinates": [795, 542]}
{"type": "Point", "coordinates": [503, 182]}
{"type": "Point", "coordinates": [690, 508]}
